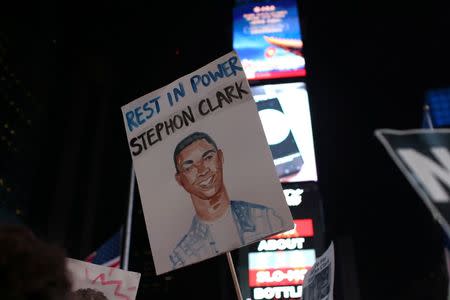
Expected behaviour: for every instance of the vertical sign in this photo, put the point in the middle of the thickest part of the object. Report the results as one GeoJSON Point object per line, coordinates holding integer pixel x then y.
{"type": "Point", "coordinates": [205, 173]}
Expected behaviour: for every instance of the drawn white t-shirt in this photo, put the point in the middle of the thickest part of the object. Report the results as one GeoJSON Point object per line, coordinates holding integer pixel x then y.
{"type": "Point", "coordinates": [225, 232]}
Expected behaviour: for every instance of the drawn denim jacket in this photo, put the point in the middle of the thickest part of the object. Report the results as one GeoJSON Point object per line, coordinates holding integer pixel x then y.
{"type": "Point", "coordinates": [253, 222]}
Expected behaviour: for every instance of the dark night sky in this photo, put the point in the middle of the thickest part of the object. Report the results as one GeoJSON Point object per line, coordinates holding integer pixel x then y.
{"type": "Point", "coordinates": [369, 66]}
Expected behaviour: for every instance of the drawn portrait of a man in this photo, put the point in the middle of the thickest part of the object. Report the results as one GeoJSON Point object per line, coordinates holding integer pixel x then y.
{"type": "Point", "coordinates": [219, 224]}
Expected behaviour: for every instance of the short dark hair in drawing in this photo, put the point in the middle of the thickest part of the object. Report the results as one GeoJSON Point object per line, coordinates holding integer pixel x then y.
{"type": "Point", "coordinates": [88, 294]}
{"type": "Point", "coordinates": [188, 141]}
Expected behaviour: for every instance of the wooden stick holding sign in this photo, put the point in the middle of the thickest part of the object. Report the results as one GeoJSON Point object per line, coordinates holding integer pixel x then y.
{"type": "Point", "coordinates": [197, 145]}
{"type": "Point", "coordinates": [426, 110]}
{"type": "Point", "coordinates": [234, 276]}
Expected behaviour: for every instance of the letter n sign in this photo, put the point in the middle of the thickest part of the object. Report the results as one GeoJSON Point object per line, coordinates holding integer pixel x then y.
{"type": "Point", "coordinates": [423, 155]}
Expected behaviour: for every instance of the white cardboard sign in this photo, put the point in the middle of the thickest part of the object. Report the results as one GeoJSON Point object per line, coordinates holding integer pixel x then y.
{"type": "Point", "coordinates": [103, 282]}
{"type": "Point", "coordinates": [318, 283]}
{"type": "Point", "coordinates": [205, 173]}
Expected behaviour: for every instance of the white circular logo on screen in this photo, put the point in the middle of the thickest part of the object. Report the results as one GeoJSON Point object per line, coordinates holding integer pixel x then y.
{"type": "Point", "coordinates": [275, 125]}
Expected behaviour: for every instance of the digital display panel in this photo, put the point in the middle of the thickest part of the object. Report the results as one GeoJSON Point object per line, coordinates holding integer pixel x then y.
{"type": "Point", "coordinates": [438, 101]}
{"type": "Point", "coordinates": [285, 116]}
{"type": "Point", "coordinates": [268, 40]}
{"type": "Point", "coordinates": [279, 268]}
{"type": "Point", "coordinates": [274, 268]}
{"type": "Point", "coordinates": [302, 228]}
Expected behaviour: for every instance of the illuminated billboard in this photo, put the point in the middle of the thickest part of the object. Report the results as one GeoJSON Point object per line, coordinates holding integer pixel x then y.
{"type": "Point", "coordinates": [274, 268]}
{"type": "Point", "coordinates": [285, 116]}
{"type": "Point", "coordinates": [279, 268]}
{"type": "Point", "coordinates": [267, 38]}
{"type": "Point", "coordinates": [438, 101]}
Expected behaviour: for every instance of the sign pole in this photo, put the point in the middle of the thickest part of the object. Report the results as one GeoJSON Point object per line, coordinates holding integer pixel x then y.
{"type": "Point", "coordinates": [234, 276]}
{"type": "Point", "coordinates": [426, 110]}
{"type": "Point", "coordinates": [126, 244]}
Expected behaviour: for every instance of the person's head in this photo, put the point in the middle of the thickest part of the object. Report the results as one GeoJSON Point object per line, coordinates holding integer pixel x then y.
{"type": "Point", "coordinates": [31, 269]}
{"type": "Point", "coordinates": [198, 163]}
{"type": "Point", "coordinates": [88, 294]}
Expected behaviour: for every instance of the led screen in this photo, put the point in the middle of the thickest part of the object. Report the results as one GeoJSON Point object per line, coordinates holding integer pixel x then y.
{"type": "Point", "coordinates": [279, 267]}
{"type": "Point", "coordinates": [302, 228]}
{"type": "Point", "coordinates": [438, 101]}
{"type": "Point", "coordinates": [267, 38]}
{"type": "Point", "coordinates": [285, 116]}
{"type": "Point", "coordinates": [274, 268]}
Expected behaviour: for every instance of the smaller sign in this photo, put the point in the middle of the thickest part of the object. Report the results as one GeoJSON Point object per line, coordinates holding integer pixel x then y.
{"type": "Point", "coordinates": [91, 281]}
{"type": "Point", "coordinates": [319, 280]}
{"type": "Point", "coordinates": [423, 155]}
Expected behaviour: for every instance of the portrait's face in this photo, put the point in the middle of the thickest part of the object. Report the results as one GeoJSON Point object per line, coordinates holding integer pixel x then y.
{"type": "Point", "coordinates": [200, 169]}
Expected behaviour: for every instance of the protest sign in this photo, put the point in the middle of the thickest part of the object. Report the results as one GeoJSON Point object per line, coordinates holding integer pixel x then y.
{"type": "Point", "coordinates": [423, 156]}
{"type": "Point", "coordinates": [91, 281]}
{"type": "Point", "coordinates": [205, 173]}
{"type": "Point", "coordinates": [319, 280]}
